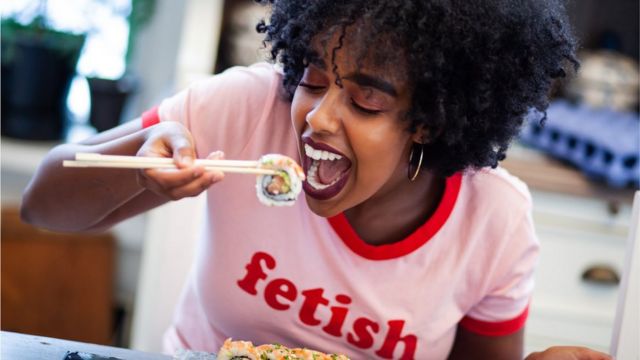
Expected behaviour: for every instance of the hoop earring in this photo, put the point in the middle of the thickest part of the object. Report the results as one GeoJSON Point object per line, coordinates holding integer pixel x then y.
{"type": "Point", "coordinates": [415, 174]}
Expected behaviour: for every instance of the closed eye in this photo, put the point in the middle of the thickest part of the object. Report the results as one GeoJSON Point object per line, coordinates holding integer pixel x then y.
{"type": "Point", "coordinates": [364, 109]}
{"type": "Point", "coordinates": [310, 86]}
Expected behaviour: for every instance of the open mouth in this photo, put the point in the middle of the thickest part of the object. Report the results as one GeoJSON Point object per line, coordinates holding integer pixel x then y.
{"type": "Point", "coordinates": [326, 168]}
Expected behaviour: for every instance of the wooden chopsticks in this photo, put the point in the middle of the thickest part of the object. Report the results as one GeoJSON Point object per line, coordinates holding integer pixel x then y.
{"type": "Point", "coordinates": [94, 160]}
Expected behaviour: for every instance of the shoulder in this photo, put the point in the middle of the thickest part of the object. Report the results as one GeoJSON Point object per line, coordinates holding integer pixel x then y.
{"type": "Point", "coordinates": [497, 206]}
{"type": "Point", "coordinates": [224, 111]}
{"type": "Point", "coordinates": [256, 80]}
{"type": "Point", "coordinates": [497, 187]}
{"type": "Point", "coordinates": [254, 86]}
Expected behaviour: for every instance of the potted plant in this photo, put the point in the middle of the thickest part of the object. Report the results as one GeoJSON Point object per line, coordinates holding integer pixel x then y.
{"type": "Point", "coordinates": [109, 96]}
{"type": "Point", "coordinates": [38, 64]}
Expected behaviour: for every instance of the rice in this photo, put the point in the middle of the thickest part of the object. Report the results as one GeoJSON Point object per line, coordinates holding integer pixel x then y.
{"type": "Point", "coordinates": [282, 189]}
{"type": "Point", "coordinates": [234, 350]}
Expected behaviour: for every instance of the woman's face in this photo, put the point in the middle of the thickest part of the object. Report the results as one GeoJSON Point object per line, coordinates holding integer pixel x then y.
{"type": "Point", "coordinates": [354, 144]}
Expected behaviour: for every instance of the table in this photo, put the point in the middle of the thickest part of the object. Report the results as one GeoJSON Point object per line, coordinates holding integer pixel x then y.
{"type": "Point", "coordinates": [17, 346]}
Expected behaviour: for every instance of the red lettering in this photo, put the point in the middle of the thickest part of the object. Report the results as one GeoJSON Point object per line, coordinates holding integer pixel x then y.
{"type": "Point", "coordinates": [364, 338]}
{"type": "Point", "coordinates": [280, 287]}
{"type": "Point", "coordinates": [393, 338]}
{"type": "Point", "coordinates": [338, 314]}
{"type": "Point", "coordinates": [280, 293]}
{"type": "Point", "coordinates": [312, 298]}
{"type": "Point", "coordinates": [255, 272]}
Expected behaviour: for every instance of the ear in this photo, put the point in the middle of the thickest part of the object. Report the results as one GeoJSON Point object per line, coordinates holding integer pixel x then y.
{"type": "Point", "coordinates": [422, 135]}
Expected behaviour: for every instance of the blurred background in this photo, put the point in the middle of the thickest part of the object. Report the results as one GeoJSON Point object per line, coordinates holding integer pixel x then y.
{"type": "Point", "coordinates": [71, 68]}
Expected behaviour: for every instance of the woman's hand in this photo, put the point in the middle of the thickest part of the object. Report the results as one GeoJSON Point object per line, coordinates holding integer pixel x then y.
{"type": "Point", "coordinates": [170, 139]}
{"type": "Point", "coordinates": [568, 353]}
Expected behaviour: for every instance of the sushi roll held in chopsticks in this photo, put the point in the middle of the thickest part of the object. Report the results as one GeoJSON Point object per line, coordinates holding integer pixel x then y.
{"type": "Point", "coordinates": [281, 189]}
{"type": "Point", "coordinates": [279, 180]}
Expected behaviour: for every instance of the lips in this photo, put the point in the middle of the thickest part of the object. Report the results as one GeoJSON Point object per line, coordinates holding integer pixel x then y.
{"type": "Point", "coordinates": [311, 186]}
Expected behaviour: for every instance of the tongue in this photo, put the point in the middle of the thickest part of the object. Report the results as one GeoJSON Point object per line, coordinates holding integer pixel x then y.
{"type": "Point", "coordinates": [329, 170]}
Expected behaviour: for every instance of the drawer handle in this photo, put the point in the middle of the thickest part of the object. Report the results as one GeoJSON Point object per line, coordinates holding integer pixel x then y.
{"type": "Point", "coordinates": [601, 274]}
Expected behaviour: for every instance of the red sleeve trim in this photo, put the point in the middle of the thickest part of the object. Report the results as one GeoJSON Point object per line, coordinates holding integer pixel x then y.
{"type": "Point", "coordinates": [150, 117]}
{"type": "Point", "coordinates": [500, 328]}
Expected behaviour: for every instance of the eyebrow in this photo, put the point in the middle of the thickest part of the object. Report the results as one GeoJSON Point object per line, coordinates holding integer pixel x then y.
{"type": "Point", "coordinates": [362, 79]}
{"type": "Point", "coordinates": [371, 81]}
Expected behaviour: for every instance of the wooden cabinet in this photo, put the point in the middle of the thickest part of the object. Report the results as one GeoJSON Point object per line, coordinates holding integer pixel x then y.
{"type": "Point", "coordinates": [53, 284]}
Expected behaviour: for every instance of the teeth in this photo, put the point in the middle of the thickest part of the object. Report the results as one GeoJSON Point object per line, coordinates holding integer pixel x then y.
{"type": "Point", "coordinates": [320, 154]}
{"type": "Point", "coordinates": [312, 178]}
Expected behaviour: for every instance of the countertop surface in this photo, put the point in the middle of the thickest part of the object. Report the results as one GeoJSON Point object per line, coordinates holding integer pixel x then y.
{"type": "Point", "coordinates": [542, 172]}
{"type": "Point", "coordinates": [30, 347]}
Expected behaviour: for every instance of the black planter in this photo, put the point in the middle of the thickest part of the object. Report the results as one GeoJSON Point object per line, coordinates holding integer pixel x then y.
{"type": "Point", "coordinates": [36, 76]}
{"type": "Point", "coordinates": [108, 98]}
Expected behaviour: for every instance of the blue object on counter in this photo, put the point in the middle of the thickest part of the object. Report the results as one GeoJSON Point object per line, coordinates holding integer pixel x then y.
{"type": "Point", "coordinates": [603, 143]}
{"type": "Point", "coordinates": [75, 355]}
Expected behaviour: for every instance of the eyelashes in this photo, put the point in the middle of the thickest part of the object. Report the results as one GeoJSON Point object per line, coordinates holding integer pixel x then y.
{"type": "Point", "coordinates": [318, 88]}
{"type": "Point", "coordinates": [310, 87]}
{"type": "Point", "coordinates": [363, 109]}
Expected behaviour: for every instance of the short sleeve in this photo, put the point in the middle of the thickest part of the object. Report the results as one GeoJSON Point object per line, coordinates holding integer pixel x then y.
{"type": "Point", "coordinates": [504, 309]}
{"type": "Point", "coordinates": [150, 117]}
{"type": "Point", "coordinates": [222, 111]}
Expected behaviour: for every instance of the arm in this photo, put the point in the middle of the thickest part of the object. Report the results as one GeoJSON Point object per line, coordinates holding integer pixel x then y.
{"type": "Point", "coordinates": [469, 346]}
{"type": "Point", "coordinates": [91, 199]}
{"type": "Point", "coordinates": [568, 353]}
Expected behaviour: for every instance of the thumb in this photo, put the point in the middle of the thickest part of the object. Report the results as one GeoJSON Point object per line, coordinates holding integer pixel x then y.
{"type": "Point", "coordinates": [183, 151]}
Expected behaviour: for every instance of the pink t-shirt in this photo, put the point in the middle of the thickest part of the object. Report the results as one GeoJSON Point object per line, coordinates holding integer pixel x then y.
{"type": "Point", "coordinates": [286, 275]}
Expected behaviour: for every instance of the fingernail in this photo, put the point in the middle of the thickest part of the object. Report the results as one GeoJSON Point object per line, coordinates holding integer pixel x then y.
{"type": "Point", "coordinates": [216, 155]}
{"type": "Point", "coordinates": [187, 160]}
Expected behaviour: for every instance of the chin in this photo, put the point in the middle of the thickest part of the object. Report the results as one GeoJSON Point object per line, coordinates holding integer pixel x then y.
{"type": "Point", "coordinates": [321, 208]}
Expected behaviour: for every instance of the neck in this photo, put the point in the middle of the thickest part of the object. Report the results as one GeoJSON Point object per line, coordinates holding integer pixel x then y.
{"type": "Point", "coordinates": [389, 218]}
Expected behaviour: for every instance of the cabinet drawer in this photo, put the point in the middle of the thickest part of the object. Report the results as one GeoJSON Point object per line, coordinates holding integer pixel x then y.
{"type": "Point", "coordinates": [547, 328]}
{"type": "Point", "coordinates": [575, 235]}
{"type": "Point", "coordinates": [564, 258]}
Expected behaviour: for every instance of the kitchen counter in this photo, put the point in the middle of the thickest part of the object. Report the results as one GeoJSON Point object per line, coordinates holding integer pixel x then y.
{"type": "Point", "coordinates": [542, 172]}
{"type": "Point", "coordinates": [31, 347]}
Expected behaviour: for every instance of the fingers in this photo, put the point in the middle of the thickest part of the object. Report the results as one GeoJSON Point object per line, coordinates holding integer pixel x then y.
{"type": "Point", "coordinates": [568, 353]}
{"type": "Point", "coordinates": [184, 182]}
{"type": "Point", "coordinates": [171, 139]}
{"type": "Point", "coordinates": [584, 353]}
{"type": "Point", "coordinates": [183, 151]}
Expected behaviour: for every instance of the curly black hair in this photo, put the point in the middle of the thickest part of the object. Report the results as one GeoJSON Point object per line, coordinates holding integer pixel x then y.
{"type": "Point", "coordinates": [476, 67]}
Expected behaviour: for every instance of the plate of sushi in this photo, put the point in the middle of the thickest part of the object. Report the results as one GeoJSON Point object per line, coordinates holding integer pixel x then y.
{"type": "Point", "coordinates": [236, 350]}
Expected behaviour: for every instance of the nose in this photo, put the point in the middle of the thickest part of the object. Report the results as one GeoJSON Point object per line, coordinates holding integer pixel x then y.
{"type": "Point", "coordinates": [324, 117]}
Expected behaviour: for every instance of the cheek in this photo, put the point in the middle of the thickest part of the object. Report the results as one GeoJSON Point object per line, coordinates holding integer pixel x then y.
{"type": "Point", "coordinates": [298, 112]}
{"type": "Point", "coordinates": [381, 150]}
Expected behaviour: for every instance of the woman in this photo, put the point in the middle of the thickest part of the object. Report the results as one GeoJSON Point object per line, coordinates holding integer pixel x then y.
{"type": "Point", "coordinates": [406, 245]}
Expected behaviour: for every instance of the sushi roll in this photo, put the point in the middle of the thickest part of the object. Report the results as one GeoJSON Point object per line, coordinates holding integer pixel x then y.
{"type": "Point", "coordinates": [278, 352]}
{"type": "Point", "coordinates": [281, 189]}
{"type": "Point", "coordinates": [236, 350]}
{"type": "Point", "coordinates": [273, 351]}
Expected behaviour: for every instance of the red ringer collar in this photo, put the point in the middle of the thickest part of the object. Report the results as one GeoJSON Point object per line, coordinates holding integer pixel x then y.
{"type": "Point", "coordinates": [412, 242]}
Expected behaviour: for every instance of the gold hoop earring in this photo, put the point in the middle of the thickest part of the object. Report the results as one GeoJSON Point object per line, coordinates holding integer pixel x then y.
{"type": "Point", "coordinates": [415, 174]}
